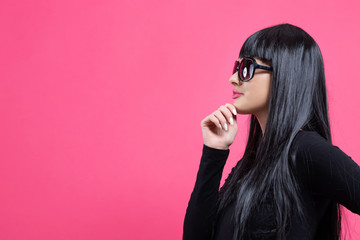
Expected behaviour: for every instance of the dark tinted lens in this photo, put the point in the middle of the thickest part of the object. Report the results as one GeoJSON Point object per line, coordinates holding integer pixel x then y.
{"type": "Point", "coordinates": [246, 69]}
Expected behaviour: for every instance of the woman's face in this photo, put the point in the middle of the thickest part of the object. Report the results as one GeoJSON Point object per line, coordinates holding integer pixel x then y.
{"type": "Point", "coordinates": [255, 94]}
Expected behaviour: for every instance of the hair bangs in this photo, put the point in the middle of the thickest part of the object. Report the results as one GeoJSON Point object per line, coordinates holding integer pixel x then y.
{"type": "Point", "coordinates": [257, 45]}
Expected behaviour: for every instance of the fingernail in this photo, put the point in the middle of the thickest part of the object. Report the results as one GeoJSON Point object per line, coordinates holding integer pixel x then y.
{"type": "Point", "coordinates": [225, 126]}
{"type": "Point", "coordinates": [231, 121]}
{"type": "Point", "coordinates": [220, 125]}
{"type": "Point", "coordinates": [234, 111]}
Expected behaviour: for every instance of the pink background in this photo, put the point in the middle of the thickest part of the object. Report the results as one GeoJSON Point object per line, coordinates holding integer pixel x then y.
{"type": "Point", "coordinates": [101, 103]}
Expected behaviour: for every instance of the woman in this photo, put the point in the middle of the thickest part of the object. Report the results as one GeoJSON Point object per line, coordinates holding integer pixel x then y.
{"type": "Point", "coordinates": [291, 179]}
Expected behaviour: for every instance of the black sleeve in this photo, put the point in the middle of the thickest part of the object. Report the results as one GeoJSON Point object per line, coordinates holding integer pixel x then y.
{"type": "Point", "coordinates": [201, 211]}
{"type": "Point", "coordinates": [329, 172]}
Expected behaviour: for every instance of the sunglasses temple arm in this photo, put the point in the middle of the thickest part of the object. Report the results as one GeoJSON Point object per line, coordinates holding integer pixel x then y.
{"type": "Point", "coordinates": [265, 67]}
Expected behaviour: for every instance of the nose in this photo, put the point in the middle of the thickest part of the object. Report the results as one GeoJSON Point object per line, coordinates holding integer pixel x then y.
{"type": "Point", "coordinates": [234, 79]}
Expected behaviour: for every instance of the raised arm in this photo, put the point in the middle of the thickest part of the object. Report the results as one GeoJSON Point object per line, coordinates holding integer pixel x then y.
{"type": "Point", "coordinates": [201, 211]}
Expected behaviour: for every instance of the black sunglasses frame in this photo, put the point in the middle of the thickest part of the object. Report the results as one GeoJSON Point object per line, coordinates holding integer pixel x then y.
{"type": "Point", "coordinates": [256, 65]}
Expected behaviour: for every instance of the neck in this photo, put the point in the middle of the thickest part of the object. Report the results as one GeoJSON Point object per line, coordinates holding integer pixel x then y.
{"type": "Point", "coordinates": [262, 119]}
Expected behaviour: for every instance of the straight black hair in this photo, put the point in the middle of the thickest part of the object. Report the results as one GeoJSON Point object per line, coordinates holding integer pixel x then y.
{"type": "Point", "coordinates": [297, 101]}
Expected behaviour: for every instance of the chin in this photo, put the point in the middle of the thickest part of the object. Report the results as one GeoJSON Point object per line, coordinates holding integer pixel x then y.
{"type": "Point", "coordinates": [240, 110]}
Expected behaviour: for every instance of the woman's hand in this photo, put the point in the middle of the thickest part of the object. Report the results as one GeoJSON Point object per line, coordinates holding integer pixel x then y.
{"type": "Point", "coordinates": [216, 136]}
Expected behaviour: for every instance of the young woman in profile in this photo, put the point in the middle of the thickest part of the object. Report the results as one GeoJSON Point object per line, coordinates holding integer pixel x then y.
{"type": "Point", "coordinates": [291, 179]}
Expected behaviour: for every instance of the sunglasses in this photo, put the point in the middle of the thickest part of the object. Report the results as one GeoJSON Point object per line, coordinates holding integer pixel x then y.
{"type": "Point", "coordinates": [246, 68]}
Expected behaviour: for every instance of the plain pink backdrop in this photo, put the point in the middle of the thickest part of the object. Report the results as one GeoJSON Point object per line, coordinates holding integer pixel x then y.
{"type": "Point", "coordinates": [101, 103]}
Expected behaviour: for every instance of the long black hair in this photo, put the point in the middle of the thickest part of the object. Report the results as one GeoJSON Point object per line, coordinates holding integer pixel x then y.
{"type": "Point", "coordinates": [297, 101]}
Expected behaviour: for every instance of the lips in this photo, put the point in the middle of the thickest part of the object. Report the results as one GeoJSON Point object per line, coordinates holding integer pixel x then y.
{"type": "Point", "coordinates": [236, 94]}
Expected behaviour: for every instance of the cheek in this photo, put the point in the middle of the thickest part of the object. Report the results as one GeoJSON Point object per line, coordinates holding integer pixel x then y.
{"type": "Point", "coordinates": [261, 92]}
{"type": "Point", "coordinates": [266, 93]}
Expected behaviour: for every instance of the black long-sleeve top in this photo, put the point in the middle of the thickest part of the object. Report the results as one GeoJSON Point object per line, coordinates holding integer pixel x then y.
{"type": "Point", "coordinates": [326, 175]}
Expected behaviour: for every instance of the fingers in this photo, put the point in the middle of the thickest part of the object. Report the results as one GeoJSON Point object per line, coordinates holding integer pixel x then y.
{"type": "Point", "coordinates": [215, 120]}
{"type": "Point", "coordinates": [225, 114]}
{"type": "Point", "coordinates": [231, 108]}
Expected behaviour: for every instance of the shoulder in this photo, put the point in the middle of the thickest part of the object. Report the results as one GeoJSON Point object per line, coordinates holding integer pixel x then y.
{"type": "Point", "coordinates": [318, 162]}
{"type": "Point", "coordinates": [314, 156]}
{"type": "Point", "coordinates": [311, 144]}
{"type": "Point", "coordinates": [306, 139]}
{"type": "Point", "coordinates": [311, 147]}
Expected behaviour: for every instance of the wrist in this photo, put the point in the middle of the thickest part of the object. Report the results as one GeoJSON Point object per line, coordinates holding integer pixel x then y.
{"type": "Point", "coordinates": [218, 147]}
